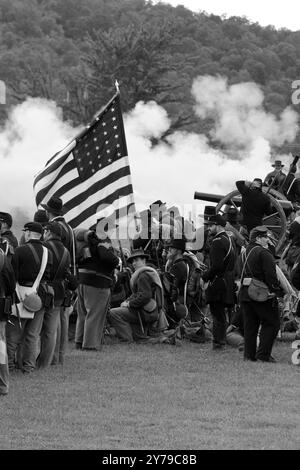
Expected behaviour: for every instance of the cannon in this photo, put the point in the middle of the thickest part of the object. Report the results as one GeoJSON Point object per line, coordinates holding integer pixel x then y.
{"type": "Point", "coordinates": [277, 222]}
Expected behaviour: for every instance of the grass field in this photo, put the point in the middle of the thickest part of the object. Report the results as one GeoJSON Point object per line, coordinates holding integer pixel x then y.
{"type": "Point", "coordinates": [155, 397]}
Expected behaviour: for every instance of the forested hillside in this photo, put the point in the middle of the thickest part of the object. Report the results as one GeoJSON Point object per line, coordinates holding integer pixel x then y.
{"type": "Point", "coordinates": [71, 51]}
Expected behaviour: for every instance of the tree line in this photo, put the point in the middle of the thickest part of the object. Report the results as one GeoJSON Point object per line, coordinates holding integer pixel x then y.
{"type": "Point", "coordinates": [71, 51]}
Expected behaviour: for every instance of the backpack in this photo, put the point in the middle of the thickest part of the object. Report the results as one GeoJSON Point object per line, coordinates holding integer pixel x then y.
{"type": "Point", "coordinates": [195, 270]}
{"type": "Point", "coordinates": [81, 244]}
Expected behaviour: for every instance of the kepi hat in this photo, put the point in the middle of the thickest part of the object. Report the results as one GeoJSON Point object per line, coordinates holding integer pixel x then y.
{"type": "Point", "coordinates": [6, 217]}
{"type": "Point", "coordinates": [33, 227]}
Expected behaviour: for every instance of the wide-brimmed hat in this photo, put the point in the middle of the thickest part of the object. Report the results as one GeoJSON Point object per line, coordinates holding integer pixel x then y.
{"type": "Point", "coordinates": [54, 205]}
{"type": "Point", "coordinates": [217, 219]}
{"type": "Point", "coordinates": [177, 243]}
{"type": "Point", "coordinates": [208, 212]}
{"type": "Point", "coordinates": [278, 163]}
{"type": "Point", "coordinates": [138, 253]}
{"type": "Point", "coordinates": [258, 231]}
{"type": "Point", "coordinates": [41, 217]}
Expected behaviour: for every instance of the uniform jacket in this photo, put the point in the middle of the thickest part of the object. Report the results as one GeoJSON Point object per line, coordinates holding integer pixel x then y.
{"type": "Point", "coordinates": [294, 232]}
{"type": "Point", "coordinates": [25, 267]}
{"type": "Point", "coordinates": [60, 282]}
{"type": "Point", "coordinates": [8, 242]}
{"type": "Point", "coordinates": [7, 279]}
{"type": "Point", "coordinates": [67, 233]}
{"type": "Point", "coordinates": [279, 177]}
{"type": "Point", "coordinates": [221, 272]}
{"type": "Point", "coordinates": [98, 269]}
{"type": "Point", "coordinates": [260, 265]}
{"type": "Point", "coordinates": [179, 270]}
{"type": "Point", "coordinates": [255, 205]}
{"type": "Point", "coordinates": [143, 284]}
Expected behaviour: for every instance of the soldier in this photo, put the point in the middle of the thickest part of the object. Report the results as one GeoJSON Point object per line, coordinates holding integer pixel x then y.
{"type": "Point", "coordinates": [54, 210]}
{"type": "Point", "coordinates": [96, 271]}
{"type": "Point", "coordinates": [62, 279]}
{"type": "Point", "coordinates": [276, 177]}
{"type": "Point", "coordinates": [8, 241]}
{"type": "Point", "coordinates": [220, 292]}
{"type": "Point", "coordinates": [259, 263]}
{"type": "Point", "coordinates": [177, 268]}
{"type": "Point", "coordinates": [7, 288]}
{"type": "Point", "coordinates": [255, 203]}
{"type": "Point", "coordinates": [27, 262]}
{"type": "Point", "coordinates": [140, 308]}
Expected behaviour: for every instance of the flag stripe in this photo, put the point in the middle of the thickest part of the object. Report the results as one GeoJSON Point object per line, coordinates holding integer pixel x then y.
{"type": "Point", "coordinates": [71, 186]}
{"type": "Point", "coordinates": [91, 174]}
{"type": "Point", "coordinates": [92, 210]}
{"type": "Point", "coordinates": [126, 204]}
{"type": "Point", "coordinates": [56, 165]}
{"type": "Point", "coordinates": [100, 189]}
{"type": "Point", "coordinates": [66, 174]}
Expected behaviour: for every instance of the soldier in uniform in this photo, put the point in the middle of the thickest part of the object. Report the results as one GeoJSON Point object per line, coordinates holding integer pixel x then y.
{"type": "Point", "coordinates": [259, 264]}
{"type": "Point", "coordinates": [54, 210]}
{"type": "Point", "coordinates": [7, 288]}
{"type": "Point", "coordinates": [26, 263]}
{"type": "Point", "coordinates": [276, 177]}
{"type": "Point", "coordinates": [62, 279]}
{"type": "Point", "coordinates": [255, 203]}
{"type": "Point", "coordinates": [220, 292]}
{"type": "Point", "coordinates": [96, 272]}
{"type": "Point", "coordinates": [8, 242]}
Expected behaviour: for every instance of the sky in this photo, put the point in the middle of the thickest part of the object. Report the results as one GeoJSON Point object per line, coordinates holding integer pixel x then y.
{"type": "Point", "coordinates": [281, 14]}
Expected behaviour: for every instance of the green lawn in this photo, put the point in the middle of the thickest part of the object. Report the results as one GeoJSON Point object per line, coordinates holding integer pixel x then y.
{"type": "Point", "coordinates": [155, 397]}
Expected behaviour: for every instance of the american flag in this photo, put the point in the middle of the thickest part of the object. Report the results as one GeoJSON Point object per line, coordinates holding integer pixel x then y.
{"type": "Point", "coordinates": [92, 174]}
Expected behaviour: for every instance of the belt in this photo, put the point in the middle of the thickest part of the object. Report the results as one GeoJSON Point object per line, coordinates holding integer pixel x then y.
{"type": "Point", "coordinates": [89, 271]}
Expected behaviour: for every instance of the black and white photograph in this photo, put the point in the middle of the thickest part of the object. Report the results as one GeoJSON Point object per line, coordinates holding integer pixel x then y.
{"type": "Point", "coordinates": [149, 228]}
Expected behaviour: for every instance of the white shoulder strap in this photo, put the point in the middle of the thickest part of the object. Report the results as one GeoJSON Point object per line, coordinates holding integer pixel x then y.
{"type": "Point", "coordinates": [42, 269]}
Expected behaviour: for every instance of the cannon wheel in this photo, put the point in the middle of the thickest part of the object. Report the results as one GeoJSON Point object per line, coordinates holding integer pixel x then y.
{"type": "Point", "coordinates": [276, 222]}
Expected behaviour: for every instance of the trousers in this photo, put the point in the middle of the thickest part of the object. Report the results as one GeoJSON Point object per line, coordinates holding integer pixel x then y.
{"type": "Point", "coordinates": [263, 315]}
{"type": "Point", "coordinates": [48, 337]}
{"type": "Point", "coordinates": [4, 374]}
{"type": "Point", "coordinates": [92, 307]}
{"type": "Point", "coordinates": [24, 341]}
{"type": "Point", "coordinates": [126, 323]}
{"type": "Point", "coordinates": [217, 310]}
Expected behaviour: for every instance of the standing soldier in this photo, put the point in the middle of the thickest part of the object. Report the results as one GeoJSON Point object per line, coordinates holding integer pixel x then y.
{"type": "Point", "coordinates": [8, 241]}
{"type": "Point", "coordinates": [220, 292]}
{"type": "Point", "coordinates": [7, 288]}
{"type": "Point", "coordinates": [54, 210]}
{"type": "Point", "coordinates": [255, 203]}
{"type": "Point", "coordinates": [258, 263]}
{"type": "Point", "coordinates": [96, 272]}
{"type": "Point", "coordinates": [27, 263]}
{"type": "Point", "coordinates": [62, 279]}
{"type": "Point", "coordinates": [276, 177]}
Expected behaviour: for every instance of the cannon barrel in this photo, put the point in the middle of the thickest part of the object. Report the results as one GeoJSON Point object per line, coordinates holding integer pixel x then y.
{"type": "Point", "coordinates": [286, 205]}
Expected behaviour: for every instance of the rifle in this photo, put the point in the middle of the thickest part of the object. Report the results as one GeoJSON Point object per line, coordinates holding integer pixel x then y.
{"type": "Point", "coordinates": [293, 164]}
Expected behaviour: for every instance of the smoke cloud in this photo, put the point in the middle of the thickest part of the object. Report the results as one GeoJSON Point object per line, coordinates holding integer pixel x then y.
{"type": "Point", "coordinates": [170, 171]}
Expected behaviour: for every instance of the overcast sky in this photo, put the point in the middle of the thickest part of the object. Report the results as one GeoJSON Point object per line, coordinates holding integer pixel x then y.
{"type": "Point", "coordinates": [279, 13]}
